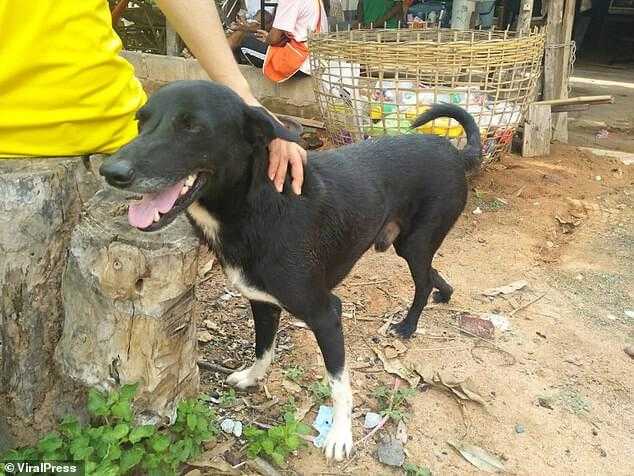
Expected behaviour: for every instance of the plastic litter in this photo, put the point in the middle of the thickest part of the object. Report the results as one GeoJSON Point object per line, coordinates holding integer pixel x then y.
{"type": "Point", "coordinates": [323, 424]}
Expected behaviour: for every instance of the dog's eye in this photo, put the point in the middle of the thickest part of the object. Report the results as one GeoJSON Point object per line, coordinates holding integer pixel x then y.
{"type": "Point", "coordinates": [188, 123]}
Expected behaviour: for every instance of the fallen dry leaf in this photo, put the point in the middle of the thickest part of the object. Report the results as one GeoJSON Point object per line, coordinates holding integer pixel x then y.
{"type": "Point", "coordinates": [463, 389]}
{"type": "Point", "coordinates": [291, 386]}
{"type": "Point", "coordinates": [214, 459]}
{"type": "Point", "coordinates": [474, 325]}
{"type": "Point", "coordinates": [508, 289]}
{"type": "Point", "coordinates": [478, 457]}
{"type": "Point", "coordinates": [396, 367]}
{"type": "Point", "coordinates": [394, 349]}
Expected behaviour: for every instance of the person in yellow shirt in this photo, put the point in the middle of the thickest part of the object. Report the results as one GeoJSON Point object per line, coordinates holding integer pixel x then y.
{"type": "Point", "coordinates": [65, 91]}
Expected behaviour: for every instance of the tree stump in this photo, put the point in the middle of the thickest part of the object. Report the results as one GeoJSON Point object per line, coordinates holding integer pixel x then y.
{"type": "Point", "coordinates": [128, 301]}
{"type": "Point", "coordinates": [40, 203]}
{"type": "Point", "coordinates": [86, 300]}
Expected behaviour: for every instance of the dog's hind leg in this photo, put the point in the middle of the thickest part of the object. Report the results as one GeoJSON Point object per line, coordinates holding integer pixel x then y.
{"type": "Point", "coordinates": [418, 249]}
{"type": "Point", "coordinates": [444, 289]}
{"type": "Point", "coordinates": [420, 268]}
{"type": "Point", "coordinates": [266, 317]}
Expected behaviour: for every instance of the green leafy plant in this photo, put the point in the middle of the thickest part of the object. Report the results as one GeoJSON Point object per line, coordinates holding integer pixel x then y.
{"type": "Point", "coordinates": [294, 373]}
{"type": "Point", "coordinates": [320, 391]}
{"type": "Point", "coordinates": [111, 444]}
{"type": "Point", "coordinates": [412, 469]}
{"type": "Point", "coordinates": [277, 442]}
{"type": "Point", "coordinates": [393, 403]}
{"type": "Point", "coordinates": [228, 398]}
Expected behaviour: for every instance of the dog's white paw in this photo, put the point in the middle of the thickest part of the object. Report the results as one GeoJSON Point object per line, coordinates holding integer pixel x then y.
{"type": "Point", "coordinates": [244, 378]}
{"type": "Point", "coordinates": [338, 443]}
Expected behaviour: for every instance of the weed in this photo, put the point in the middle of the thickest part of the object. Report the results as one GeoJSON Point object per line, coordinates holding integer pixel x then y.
{"type": "Point", "coordinates": [416, 470]}
{"type": "Point", "coordinates": [320, 391]}
{"type": "Point", "coordinates": [392, 403]}
{"type": "Point", "coordinates": [228, 398]}
{"type": "Point", "coordinates": [277, 442]}
{"type": "Point", "coordinates": [294, 373]}
{"type": "Point", "coordinates": [111, 444]}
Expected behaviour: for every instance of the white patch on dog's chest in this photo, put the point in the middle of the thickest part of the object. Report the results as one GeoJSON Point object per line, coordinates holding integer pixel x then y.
{"type": "Point", "coordinates": [206, 221]}
{"type": "Point", "coordinates": [210, 227]}
{"type": "Point", "coordinates": [236, 279]}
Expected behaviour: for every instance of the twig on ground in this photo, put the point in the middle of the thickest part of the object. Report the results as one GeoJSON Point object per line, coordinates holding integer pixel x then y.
{"type": "Point", "coordinates": [393, 296]}
{"type": "Point", "coordinates": [263, 467]}
{"type": "Point", "coordinates": [217, 368]}
{"type": "Point", "coordinates": [472, 334]}
{"type": "Point", "coordinates": [367, 283]}
{"type": "Point", "coordinates": [524, 306]}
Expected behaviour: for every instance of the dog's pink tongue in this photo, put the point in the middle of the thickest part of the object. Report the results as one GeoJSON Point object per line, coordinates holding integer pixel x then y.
{"type": "Point", "coordinates": [141, 213]}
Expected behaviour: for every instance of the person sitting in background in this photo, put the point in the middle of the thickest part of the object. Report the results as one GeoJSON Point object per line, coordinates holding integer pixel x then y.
{"type": "Point", "coordinates": [294, 19]}
{"type": "Point", "coordinates": [245, 39]}
{"type": "Point", "coordinates": [379, 13]}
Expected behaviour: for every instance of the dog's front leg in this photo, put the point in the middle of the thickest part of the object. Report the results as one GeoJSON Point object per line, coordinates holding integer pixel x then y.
{"type": "Point", "coordinates": [266, 317]}
{"type": "Point", "coordinates": [327, 329]}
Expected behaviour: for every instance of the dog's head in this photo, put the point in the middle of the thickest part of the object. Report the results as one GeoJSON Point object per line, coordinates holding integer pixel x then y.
{"type": "Point", "coordinates": [193, 135]}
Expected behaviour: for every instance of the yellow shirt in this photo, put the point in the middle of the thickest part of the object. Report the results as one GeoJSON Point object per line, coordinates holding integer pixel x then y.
{"type": "Point", "coordinates": [64, 90]}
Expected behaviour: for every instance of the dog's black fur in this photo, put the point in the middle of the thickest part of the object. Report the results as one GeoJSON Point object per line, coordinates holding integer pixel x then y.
{"type": "Point", "coordinates": [406, 190]}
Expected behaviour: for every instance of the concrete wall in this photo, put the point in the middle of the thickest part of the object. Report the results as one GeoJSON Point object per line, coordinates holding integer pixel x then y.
{"type": "Point", "coordinates": [294, 96]}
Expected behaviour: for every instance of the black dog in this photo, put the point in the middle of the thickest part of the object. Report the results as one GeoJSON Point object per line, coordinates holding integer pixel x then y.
{"type": "Point", "coordinates": [202, 150]}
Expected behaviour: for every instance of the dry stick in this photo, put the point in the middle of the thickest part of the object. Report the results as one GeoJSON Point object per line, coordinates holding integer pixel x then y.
{"type": "Point", "coordinates": [217, 368]}
{"type": "Point", "coordinates": [368, 283]}
{"type": "Point", "coordinates": [524, 306]}
{"type": "Point", "coordinates": [262, 467]}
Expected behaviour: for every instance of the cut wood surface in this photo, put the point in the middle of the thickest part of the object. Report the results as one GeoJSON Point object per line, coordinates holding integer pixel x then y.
{"type": "Point", "coordinates": [128, 301]}
{"type": "Point", "coordinates": [536, 141]}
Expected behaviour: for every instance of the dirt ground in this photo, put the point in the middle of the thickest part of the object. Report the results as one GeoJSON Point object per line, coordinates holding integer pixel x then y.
{"type": "Point", "coordinates": [607, 126]}
{"type": "Point", "coordinates": [557, 384]}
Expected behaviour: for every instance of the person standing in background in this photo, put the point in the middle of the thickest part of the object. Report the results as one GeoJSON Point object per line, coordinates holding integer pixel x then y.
{"type": "Point", "coordinates": [380, 13]}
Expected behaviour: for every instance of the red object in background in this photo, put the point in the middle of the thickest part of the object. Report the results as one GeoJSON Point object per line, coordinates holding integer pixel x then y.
{"type": "Point", "coordinates": [118, 10]}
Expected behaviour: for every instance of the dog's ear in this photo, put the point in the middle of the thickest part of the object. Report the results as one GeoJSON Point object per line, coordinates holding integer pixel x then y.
{"type": "Point", "coordinates": [262, 123]}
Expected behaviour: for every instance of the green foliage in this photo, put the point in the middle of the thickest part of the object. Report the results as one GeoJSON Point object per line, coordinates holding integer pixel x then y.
{"type": "Point", "coordinates": [320, 391]}
{"type": "Point", "coordinates": [112, 445]}
{"type": "Point", "coordinates": [416, 470]}
{"type": "Point", "coordinates": [294, 373]}
{"type": "Point", "coordinates": [277, 442]}
{"type": "Point", "coordinates": [392, 404]}
{"type": "Point", "coordinates": [228, 398]}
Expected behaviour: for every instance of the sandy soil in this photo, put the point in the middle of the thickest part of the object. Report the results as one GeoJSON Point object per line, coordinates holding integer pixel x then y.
{"type": "Point", "coordinates": [564, 348]}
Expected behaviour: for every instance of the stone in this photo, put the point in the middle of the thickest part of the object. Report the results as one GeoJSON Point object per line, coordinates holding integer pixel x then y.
{"type": "Point", "coordinates": [390, 452]}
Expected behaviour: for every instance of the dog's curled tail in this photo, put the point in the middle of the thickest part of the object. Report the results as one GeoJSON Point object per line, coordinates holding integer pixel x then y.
{"type": "Point", "coordinates": [472, 153]}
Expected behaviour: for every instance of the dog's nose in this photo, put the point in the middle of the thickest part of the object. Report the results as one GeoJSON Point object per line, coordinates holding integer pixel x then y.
{"type": "Point", "coordinates": [118, 173]}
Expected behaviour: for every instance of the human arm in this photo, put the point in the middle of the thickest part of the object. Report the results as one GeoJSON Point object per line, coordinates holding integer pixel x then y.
{"type": "Point", "coordinates": [198, 24]}
{"type": "Point", "coordinates": [395, 12]}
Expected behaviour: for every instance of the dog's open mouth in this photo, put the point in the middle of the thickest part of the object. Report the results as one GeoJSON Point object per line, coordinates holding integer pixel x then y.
{"type": "Point", "coordinates": [156, 210]}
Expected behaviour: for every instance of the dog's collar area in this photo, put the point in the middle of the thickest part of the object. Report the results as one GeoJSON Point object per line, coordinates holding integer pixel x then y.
{"type": "Point", "coordinates": [156, 210]}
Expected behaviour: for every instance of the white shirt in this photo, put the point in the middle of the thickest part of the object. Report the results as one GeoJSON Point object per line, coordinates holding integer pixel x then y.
{"type": "Point", "coordinates": [299, 17]}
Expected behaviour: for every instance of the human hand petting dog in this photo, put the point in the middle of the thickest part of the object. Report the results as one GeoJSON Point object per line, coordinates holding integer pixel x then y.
{"type": "Point", "coordinates": [198, 24]}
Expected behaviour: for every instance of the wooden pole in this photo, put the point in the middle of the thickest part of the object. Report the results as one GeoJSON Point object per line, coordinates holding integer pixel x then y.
{"type": "Point", "coordinates": [526, 14]}
{"type": "Point", "coordinates": [172, 41]}
{"type": "Point", "coordinates": [557, 59]}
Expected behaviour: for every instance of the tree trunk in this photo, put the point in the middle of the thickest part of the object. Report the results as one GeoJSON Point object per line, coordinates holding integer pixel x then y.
{"type": "Point", "coordinates": [128, 300]}
{"type": "Point", "coordinates": [87, 302]}
{"type": "Point", "coordinates": [40, 203]}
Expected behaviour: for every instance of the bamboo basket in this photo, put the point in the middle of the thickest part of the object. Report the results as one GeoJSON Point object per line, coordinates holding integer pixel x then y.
{"type": "Point", "coordinates": [372, 83]}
